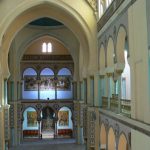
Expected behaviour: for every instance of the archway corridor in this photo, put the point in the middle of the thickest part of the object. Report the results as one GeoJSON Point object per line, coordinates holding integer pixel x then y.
{"type": "Point", "coordinates": [53, 144]}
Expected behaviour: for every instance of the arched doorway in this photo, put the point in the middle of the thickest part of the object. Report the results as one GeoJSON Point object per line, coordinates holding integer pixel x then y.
{"type": "Point", "coordinates": [48, 124]}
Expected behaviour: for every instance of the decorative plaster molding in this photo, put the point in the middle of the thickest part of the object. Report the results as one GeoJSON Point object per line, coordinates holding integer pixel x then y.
{"type": "Point", "coordinates": [93, 5]}
{"type": "Point", "coordinates": [0, 108]}
{"type": "Point", "coordinates": [6, 106]}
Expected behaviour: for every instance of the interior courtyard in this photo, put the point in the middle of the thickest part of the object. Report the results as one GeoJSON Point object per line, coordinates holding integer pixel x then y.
{"type": "Point", "coordinates": [74, 75]}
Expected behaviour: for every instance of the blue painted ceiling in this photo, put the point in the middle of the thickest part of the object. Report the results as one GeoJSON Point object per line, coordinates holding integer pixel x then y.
{"type": "Point", "coordinates": [45, 22]}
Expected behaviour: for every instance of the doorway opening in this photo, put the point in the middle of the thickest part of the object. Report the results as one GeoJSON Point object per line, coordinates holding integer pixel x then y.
{"type": "Point", "coordinates": [48, 124]}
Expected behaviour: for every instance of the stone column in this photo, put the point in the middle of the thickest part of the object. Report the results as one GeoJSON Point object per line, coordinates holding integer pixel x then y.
{"type": "Point", "coordinates": [109, 75]}
{"type": "Point", "coordinates": [91, 117]}
{"type": "Point", "coordinates": [2, 139]}
{"type": "Point", "coordinates": [18, 90]}
{"type": "Point", "coordinates": [55, 123]}
{"type": "Point", "coordinates": [21, 84]}
{"type": "Point", "coordinates": [39, 119]}
{"type": "Point", "coordinates": [5, 92]}
{"type": "Point", "coordinates": [38, 89]}
{"type": "Point", "coordinates": [100, 90]}
{"type": "Point", "coordinates": [85, 90]}
{"type": "Point", "coordinates": [119, 72]}
{"type": "Point", "coordinates": [78, 122]}
{"type": "Point", "coordinates": [7, 127]}
{"type": "Point", "coordinates": [21, 129]}
{"type": "Point", "coordinates": [74, 90]}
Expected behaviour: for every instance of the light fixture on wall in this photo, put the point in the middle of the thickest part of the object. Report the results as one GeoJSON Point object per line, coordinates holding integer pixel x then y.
{"type": "Point", "coordinates": [47, 47]}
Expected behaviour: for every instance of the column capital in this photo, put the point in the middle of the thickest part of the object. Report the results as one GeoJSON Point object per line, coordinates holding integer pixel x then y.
{"type": "Point", "coordinates": [6, 106]}
{"type": "Point", "coordinates": [109, 74]}
{"type": "Point", "coordinates": [1, 108]}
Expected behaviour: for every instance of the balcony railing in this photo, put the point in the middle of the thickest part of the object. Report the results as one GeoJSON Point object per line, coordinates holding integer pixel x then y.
{"type": "Point", "coordinates": [124, 107]}
{"type": "Point", "coordinates": [114, 104]}
{"type": "Point", "coordinates": [105, 102]}
{"type": "Point", "coordinates": [108, 13]}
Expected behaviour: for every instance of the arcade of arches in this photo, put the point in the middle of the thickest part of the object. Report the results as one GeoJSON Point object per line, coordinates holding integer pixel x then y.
{"type": "Point", "coordinates": [75, 70]}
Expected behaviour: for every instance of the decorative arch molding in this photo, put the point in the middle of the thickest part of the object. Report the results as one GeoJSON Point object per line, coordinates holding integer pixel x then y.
{"type": "Point", "coordinates": [40, 71]}
{"type": "Point", "coordinates": [111, 146]}
{"type": "Point", "coordinates": [103, 138]}
{"type": "Point", "coordinates": [29, 68]}
{"type": "Point", "coordinates": [10, 26]}
{"type": "Point", "coordinates": [102, 59]}
{"type": "Point", "coordinates": [25, 108]}
{"type": "Point", "coordinates": [33, 38]}
{"type": "Point", "coordinates": [70, 108]}
{"type": "Point", "coordinates": [110, 54]}
{"type": "Point", "coordinates": [122, 136]}
{"type": "Point", "coordinates": [29, 41]}
{"type": "Point", "coordinates": [71, 73]}
{"type": "Point", "coordinates": [120, 46]}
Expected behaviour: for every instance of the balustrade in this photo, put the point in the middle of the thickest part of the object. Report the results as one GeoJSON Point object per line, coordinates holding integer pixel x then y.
{"type": "Point", "coordinates": [104, 102]}
{"type": "Point", "coordinates": [108, 13]}
{"type": "Point", "coordinates": [125, 105]}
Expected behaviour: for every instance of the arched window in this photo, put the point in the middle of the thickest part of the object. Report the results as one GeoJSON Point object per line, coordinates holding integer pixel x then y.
{"type": "Point", "coordinates": [49, 50]}
{"type": "Point", "coordinates": [44, 48]}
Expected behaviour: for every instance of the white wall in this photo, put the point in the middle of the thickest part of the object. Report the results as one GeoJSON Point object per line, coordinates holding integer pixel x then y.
{"type": "Point", "coordinates": [139, 141]}
{"type": "Point", "coordinates": [126, 75]}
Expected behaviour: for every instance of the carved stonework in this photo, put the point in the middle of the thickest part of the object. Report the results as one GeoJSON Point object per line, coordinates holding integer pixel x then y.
{"type": "Point", "coordinates": [85, 122]}
{"type": "Point", "coordinates": [117, 129]}
{"type": "Point", "coordinates": [93, 4]}
{"type": "Point", "coordinates": [91, 129]}
{"type": "Point", "coordinates": [76, 115]}
{"type": "Point", "coordinates": [6, 123]}
{"type": "Point", "coordinates": [106, 124]}
{"type": "Point", "coordinates": [11, 114]}
{"type": "Point", "coordinates": [18, 115]}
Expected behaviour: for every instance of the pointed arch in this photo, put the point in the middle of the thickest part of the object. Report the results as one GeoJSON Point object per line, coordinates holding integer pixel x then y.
{"type": "Point", "coordinates": [111, 139]}
{"type": "Point", "coordinates": [102, 57]}
{"type": "Point", "coordinates": [123, 144]}
{"type": "Point", "coordinates": [103, 136]}
{"type": "Point", "coordinates": [110, 52]}
{"type": "Point", "coordinates": [121, 44]}
{"type": "Point", "coordinates": [17, 19]}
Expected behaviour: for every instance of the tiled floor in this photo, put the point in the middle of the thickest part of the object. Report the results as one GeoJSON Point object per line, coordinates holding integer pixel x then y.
{"type": "Point", "coordinates": [52, 144]}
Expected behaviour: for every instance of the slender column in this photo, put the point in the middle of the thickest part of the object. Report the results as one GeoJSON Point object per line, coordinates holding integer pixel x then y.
{"type": "Point", "coordinates": [55, 90]}
{"type": "Point", "coordinates": [100, 90]}
{"type": "Point", "coordinates": [38, 89]}
{"type": "Point", "coordinates": [119, 94]}
{"type": "Point", "coordinates": [74, 90]}
{"type": "Point", "coordinates": [18, 90]}
{"type": "Point", "coordinates": [109, 88]}
{"type": "Point", "coordinates": [5, 92]}
{"type": "Point", "coordinates": [21, 134]}
{"type": "Point", "coordinates": [92, 90]}
{"type": "Point", "coordinates": [80, 137]}
{"type": "Point", "coordinates": [55, 131]}
{"type": "Point", "coordinates": [85, 90]}
{"type": "Point", "coordinates": [21, 84]}
{"type": "Point", "coordinates": [6, 126]}
{"type": "Point", "coordinates": [12, 90]}
{"type": "Point", "coordinates": [80, 90]}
